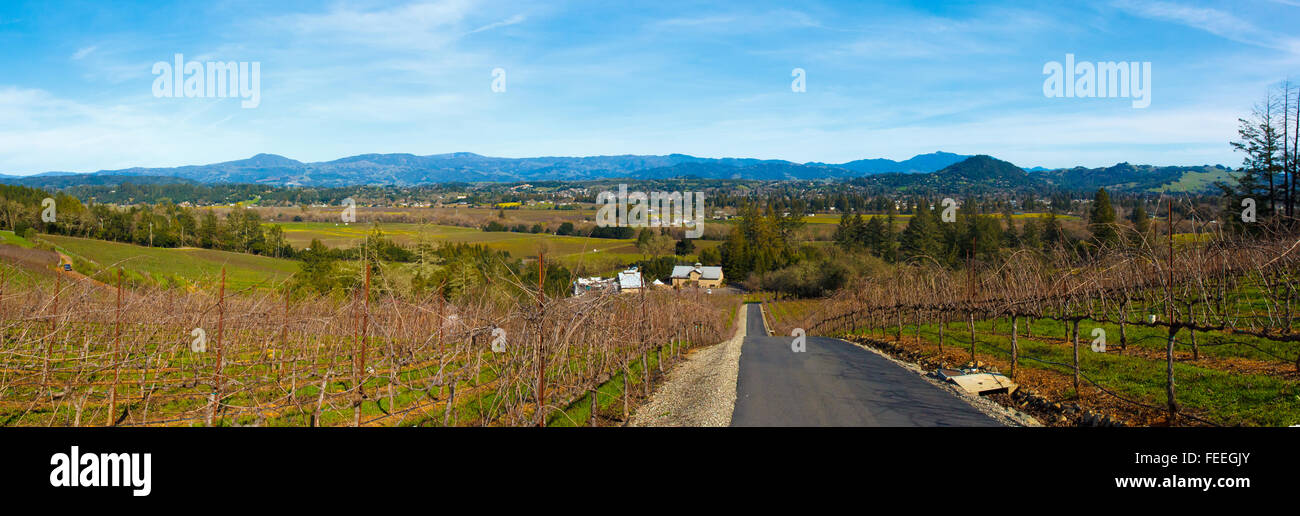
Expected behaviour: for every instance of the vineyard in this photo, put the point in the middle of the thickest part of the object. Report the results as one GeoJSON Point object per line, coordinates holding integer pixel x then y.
{"type": "Point", "coordinates": [78, 351]}
{"type": "Point", "coordinates": [1199, 333]}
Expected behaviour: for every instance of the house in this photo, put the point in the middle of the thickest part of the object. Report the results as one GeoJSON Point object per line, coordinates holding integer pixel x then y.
{"type": "Point", "coordinates": [696, 276]}
{"type": "Point", "coordinates": [593, 284]}
{"type": "Point", "coordinates": [629, 281]}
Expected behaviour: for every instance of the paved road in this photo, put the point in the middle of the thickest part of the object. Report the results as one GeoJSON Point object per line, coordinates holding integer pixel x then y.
{"type": "Point", "coordinates": [835, 383]}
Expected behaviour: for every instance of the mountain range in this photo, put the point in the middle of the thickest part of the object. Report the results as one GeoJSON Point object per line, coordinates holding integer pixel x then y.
{"type": "Point", "coordinates": [935, 170]}
{"type": "Point", "coordinates": [410, 169]}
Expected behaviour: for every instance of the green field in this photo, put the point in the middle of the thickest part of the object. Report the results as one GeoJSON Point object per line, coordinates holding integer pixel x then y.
{"type": "Point", "coordinates": [1196, 181]}
{"type": "Point", "coordinates": [190, 265]}
{"type": "Point", "coordinates": [300, 235]}
{"type": "Point", "coordinates": [1226, 397]}
{"type": "Point", "coordinates": [593, 255]}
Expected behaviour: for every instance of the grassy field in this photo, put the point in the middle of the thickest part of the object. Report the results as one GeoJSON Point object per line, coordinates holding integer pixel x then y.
{"type": "Point", "coordinates": [300, 234]}
{"type": "Point", "coordinates": [1230, 379]}
{"type": "Point", "coordinates": [1195, 181]}
{"type": "Point", "coordinates": [593, 255]}
{"type": "Point", "coordinates": [1229, 397]}
{"type": "Point", "coordinates": [189, 265]}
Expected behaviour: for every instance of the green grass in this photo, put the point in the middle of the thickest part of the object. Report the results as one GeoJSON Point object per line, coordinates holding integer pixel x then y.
{"type": "Point", "coordinates": [609, 395]}
{"type": "Point", "coordinates": [8, 237]}
{"type": "Point", "coordinates": [166, 265]}
{"type": "Point", "coordinates": [1195, 181]}
{"type": "Point", "coordinates": [1226, 397]}
{"type": "Point", "coordinates": [300, 234]}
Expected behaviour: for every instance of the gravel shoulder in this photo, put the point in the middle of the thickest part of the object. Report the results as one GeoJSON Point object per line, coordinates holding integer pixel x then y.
{"type": "Point", "coordinates": [700, 392]}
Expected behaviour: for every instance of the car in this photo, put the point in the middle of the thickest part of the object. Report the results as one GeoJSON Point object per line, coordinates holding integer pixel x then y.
{"type": "Point", "coordinates": [709, 291]}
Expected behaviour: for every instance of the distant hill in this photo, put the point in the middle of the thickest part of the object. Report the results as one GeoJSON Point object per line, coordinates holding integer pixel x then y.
{"type": "Point", "coordinates": [934, 171]}
{"type": "Point", "coordinates": [975, 174]}
{"type": "Point", "coordinates": [916, 164]}
{"type": "Point", "coordinates": [60, 181]}
{"type": "Point", "coordinates": [410, 169]}
{"type": "Point", "coordinates": [1135, 178]}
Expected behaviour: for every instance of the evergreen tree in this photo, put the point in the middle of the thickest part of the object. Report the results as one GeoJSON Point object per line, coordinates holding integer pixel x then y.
{"type": "Point", "coordinates": [1031, 234]}
{"type": "Point", "coordinates": [1009, 237]}
{"type": "Point", "coordinates": [1102, 221]}
{"type": "Point", "coordinates": [888, 243]}
{"type": "Point", "coordinates": [921, 236]}
{"type": "Point", "coordinates": [1141, 223]}
{"type": "Point", "coordinates": [873, 236]}
{"type": "Point", "coordinates": [1053, 233]}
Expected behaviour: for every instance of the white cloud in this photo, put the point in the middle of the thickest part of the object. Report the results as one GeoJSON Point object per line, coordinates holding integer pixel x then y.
{"type": "Point", "coordinates": [1214, 21]}
{"type": "Point", "coordinates": [427, 25]}
{"type": "Point", "coordinates": [518, 18]}
{"type": "Point", "coordinates": [42, 132]}
{"type": "Point", "coordinates": [81, 53]}
{"type": "Point", "coordinates": [745, 22]}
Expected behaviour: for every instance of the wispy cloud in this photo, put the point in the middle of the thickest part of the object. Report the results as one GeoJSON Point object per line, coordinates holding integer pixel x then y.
{"type": "Point", "coordinates": [83, 52]}
{"type": "Point", "coordinates": [1214, 21]}
{"type": "Point", "coordinates": [741, 22]}
{"type": "Point", "coordinates": [518, 18]}
{"type": "Point", "coordinates": [425, 25]}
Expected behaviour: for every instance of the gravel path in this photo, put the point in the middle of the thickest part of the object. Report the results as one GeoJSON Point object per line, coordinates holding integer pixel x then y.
{"type": "Point", "coordinates": [701, 391]}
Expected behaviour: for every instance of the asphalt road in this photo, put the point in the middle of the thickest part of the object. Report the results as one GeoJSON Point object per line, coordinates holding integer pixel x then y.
{"type": "Point", "coordinates": [835, 383]}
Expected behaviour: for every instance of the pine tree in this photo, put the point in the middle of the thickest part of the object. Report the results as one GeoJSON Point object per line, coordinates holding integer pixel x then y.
{"type": "Point", "coordinates": [921, 236]}
{"type": "Point", "coordinates": [1053, 233]}
{"type": "Point", "coordinates": [1141, 224]}
{"type": "Point", "coordinates": [1009, 237]}
{"type": "Point", "coordinates": [1102, 221]}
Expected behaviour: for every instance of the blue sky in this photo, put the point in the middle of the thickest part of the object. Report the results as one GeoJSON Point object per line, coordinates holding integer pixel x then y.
{"type": "Point", "coordinates": [888, 79]}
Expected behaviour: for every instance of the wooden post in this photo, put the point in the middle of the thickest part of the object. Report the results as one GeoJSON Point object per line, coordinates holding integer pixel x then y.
{"type": "Point", "coordinates": [541, 339]}
{"type": "Point", "coordinates": [626, 392]}
{"type": "Point", "coordinates": [942, 323]}
{"type": "Point", "coordinates": [645, 372]}
{"type": "Point", "coordinates": [58, 285]}
{"type": "Point", "coordinates": [1173, 327]}
{"type": "Point", "coordinates": [595, 405]}
{"type": "Point", "coordinates": [449, 410]}
{"type": "Point", "coordinates": [970, 321]}
{"type": "Point", "coordinates": [221, 328]}
{"type": "Point", "coordinates": [898, 313]}
{"type": "Point", "coordinates": [1123, 327]}
{"type": "Point", "coordinates": [916, 316]}
{"type": "Point", "coordinates": [1015, 346]}
{"type": "Point", "coordinates": [1075, 333]}
{"type": "Point", "coordinates": [359, 371]}
{"type": "Point", "coordinates": [117, 334]}
{"type": "Point", "coordinates": [970, 295]}
{"type": "Point", "coordinates": [284, 349]}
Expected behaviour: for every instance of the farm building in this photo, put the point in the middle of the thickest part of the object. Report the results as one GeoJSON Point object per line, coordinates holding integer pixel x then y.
{"type": "Point", "coordinates": [630, 280]}
{"type": "Point", "coordinates": [696, 276]}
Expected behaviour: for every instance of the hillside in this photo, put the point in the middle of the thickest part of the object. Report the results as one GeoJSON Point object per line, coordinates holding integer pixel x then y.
{"type": "Point", "coordinates": [411, 169]}
{"type": "Point", "coordinates": [973, 175]}
{"type": "Point", "coordinates": [1145, 178]}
